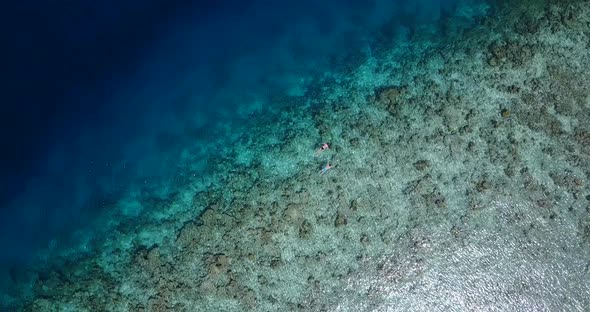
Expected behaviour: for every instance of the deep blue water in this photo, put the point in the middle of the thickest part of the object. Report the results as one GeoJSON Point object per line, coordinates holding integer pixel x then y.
{"type": "Point", "coordinates": [97, 93]}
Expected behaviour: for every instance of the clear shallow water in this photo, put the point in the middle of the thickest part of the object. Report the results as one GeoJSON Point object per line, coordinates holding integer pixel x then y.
{"type": "Point", "coordinates": [432, 245]}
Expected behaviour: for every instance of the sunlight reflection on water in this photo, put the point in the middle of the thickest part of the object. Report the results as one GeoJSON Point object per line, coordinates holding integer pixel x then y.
{"type": "Point", "coordinates": [501, 270]}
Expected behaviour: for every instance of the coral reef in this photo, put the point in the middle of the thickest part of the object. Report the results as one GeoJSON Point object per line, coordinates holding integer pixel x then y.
{"type": "Point", "coordinates": [467, 172]}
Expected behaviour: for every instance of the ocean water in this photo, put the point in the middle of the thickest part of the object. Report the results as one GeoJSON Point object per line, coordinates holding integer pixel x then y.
{"type": "Point", "coordinates": [183, 169]}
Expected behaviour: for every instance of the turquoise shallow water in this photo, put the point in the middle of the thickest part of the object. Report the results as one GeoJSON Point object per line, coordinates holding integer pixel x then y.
{"type": "Point", "coordinates": [459, 146]}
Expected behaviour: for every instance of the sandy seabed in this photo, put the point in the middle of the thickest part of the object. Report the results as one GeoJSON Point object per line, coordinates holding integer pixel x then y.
{"type": "Point", "coordinates": [460, 184]}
